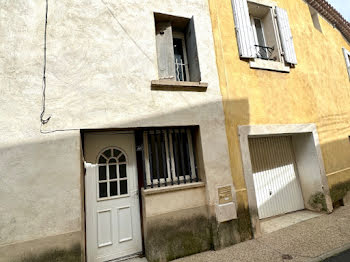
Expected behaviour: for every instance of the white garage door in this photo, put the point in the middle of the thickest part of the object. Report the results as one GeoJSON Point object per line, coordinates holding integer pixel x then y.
{"type": "Point", "coordinates": [275, 176]}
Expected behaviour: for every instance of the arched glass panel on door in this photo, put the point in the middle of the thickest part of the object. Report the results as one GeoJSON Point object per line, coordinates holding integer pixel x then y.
{"type": "Point", "coordinates": [112, 174]}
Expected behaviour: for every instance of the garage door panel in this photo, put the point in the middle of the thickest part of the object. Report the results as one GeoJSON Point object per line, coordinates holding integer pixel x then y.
{"type": "Point", "coordinates": [275, 177]}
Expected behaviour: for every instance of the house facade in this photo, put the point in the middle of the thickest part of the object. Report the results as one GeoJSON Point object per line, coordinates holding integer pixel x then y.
{"type": "Point", "coordinates": [120, 147]}
{"type": "Point", "coordinates": [166, 128]}
{"type": "Point", "coordinates": [286, 105]}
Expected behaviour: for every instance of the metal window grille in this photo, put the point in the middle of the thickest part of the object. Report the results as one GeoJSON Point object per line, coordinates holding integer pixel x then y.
{"type": "Point", "coordinates": [169, 157]}
{"type": "Point", "coordinates": [180, 70]}
{"type": "Point", "coordinates": [264, 52]}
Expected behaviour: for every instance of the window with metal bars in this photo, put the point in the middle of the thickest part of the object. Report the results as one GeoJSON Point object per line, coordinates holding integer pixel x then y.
{"type": "Point", "coordinates": [169, 157]}
{"type": "Point", "coordinates": [177, 51]}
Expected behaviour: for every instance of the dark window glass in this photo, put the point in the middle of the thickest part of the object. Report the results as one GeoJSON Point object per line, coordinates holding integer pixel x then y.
{"type": "Point", "coordinates": [123, 187]}
{"type": "Point", "coordinates": [112, 171]}
{"type": "Point", "coordinates": [152, 155]}
{"type": "Point", "coordinates": [103, 190]}
{"type": "Point", "coordinates": [158, 156]}
{"type": "Point", "coordinates": [181, 153]}
{"type": "Point", "coordinates": [113, 188]}
{"type": "Point", "coordinates": [112, 160]}
{"type": "Point", "coordinates": [102, 160]}
{"type": "Point", "coordinates": [102, 173]}
{"type": "Point", "coordinates": [176, 152]}
{"type": "Point", "coordinates": [162, 156]}
{"type": "Point", "coordinates": [116, 152]}
{"type": "Point", "coordinates": [186, 154]}
{"type": "Point", "coordinates": [107, 153]}
{"type": "Point", "coordinates": [122, 170]}
{"type": "Point", "coordinates": [122, 159]}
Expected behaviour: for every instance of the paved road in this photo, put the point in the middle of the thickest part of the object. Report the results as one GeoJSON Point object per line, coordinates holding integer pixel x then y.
{"type": "Point", "coordinates": [305, 242]}
{"type": "Point", "coordinates": [342, 257]}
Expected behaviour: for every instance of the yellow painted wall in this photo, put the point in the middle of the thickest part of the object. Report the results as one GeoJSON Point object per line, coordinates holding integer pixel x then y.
{"type": "Point", "coordinates": [317, 90]}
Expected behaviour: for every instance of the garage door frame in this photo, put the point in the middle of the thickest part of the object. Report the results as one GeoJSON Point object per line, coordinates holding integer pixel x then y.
{"type": "Point", "coordinates": [245, 132]}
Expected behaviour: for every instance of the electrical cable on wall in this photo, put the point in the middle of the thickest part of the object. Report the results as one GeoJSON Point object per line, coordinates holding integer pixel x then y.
{"type": "Point", "coordinates": [44, 121]}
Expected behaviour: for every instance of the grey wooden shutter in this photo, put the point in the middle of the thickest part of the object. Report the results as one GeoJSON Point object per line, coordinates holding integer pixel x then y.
{"type": "Point", "coordinates": [286, 36]}
{"type": "Point", "coordinates": [165, 51]}
{"type": "Point", "coordinates": [347, 60]}
{"type": "Point", "coordinates": [244, 32]}
{"type": "Point", "coordinates": [192, 52]}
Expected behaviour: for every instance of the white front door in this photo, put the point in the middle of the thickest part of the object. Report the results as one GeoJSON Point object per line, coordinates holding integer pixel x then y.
{"type": "Point", "coordinates": [275, 176]}
{"type": "Point", "coordinates": [113, 228]}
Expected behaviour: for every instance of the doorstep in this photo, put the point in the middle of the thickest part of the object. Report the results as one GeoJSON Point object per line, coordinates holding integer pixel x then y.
{"type": "Point", "coordinates": [130, 258]}
{"type": "Point", "coordinates": [271, 224]}
{"type": "Point", "coordinates": [137, 259]}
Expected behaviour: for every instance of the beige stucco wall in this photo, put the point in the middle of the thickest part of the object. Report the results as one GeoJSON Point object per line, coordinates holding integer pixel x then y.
{"type": "Point", "coordinates": [101, 58]}
{"type": "Point", "coordinates": [156, 204]}
{"type": "Point", "coordinates": [316, 91]}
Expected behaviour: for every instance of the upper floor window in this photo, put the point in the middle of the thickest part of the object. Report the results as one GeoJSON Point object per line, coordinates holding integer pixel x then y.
{"type": "Point", "coordinates": [315, 19]}
{"type": "Point", "coordinates": [176, 48]}
{"type": "Point", "coordinates": [347, 60]}
{"type": "Point", "coordinates": [263, 32]}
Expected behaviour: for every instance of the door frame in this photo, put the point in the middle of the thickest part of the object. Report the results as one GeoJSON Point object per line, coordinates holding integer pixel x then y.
{"type": "Point", "coordinates": [245, 132]}
{"type": "Point", "coordinates": [83, 132]}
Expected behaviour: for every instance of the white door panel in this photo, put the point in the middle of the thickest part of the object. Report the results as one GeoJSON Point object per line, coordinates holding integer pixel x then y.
{"type": "Point", "coordinates": [113, 226]}
{"type": "Point", "coordinates": [275, 176]}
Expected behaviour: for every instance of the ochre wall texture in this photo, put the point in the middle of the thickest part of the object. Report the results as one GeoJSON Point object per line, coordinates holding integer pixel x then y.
{"type": "Point", "coordinates": [316, 91]}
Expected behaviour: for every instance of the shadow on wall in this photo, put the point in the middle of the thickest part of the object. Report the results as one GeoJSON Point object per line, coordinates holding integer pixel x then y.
{"type": "Point", "coordinates": [42, 174]}
{"type": "Point", "coordinates": [337, 162]}
{"type": "Point", "coordinates": [41, 179]}
{"type": "Point", "coordinates": [338, 151]}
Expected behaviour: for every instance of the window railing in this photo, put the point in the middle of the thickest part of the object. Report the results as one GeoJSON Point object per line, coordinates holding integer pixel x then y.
{"type": "Point", "coordinates": [169, 157]}
{"type": "Point", "coordinates": [180, 69]}
{"type": "Point", "coordinates": [264, 52]}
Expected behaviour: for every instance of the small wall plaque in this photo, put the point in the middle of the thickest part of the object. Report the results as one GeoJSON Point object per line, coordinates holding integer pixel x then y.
{"type": "Point", "coordinates": [225, 195]}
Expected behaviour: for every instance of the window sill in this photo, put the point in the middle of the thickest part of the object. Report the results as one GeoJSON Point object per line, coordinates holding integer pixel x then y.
{"type": "Point", "coordinates": [269, 65]}
{"type": "Point", "coordinates": [171, 85]}
{"type": "Point", "coordinates": [164, 189]}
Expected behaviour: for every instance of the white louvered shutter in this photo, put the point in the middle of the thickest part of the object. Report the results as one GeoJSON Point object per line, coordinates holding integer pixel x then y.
{"type": "Point", "coordinates": [286, 36]}
{"type": "Point", "coordinates": [245, 37]}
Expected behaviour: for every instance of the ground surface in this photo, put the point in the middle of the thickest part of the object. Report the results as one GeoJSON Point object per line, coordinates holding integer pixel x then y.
{"type": "Point", "coordinates": [270, 225]}
{"type": "Point", "coordinates": [311, 240]}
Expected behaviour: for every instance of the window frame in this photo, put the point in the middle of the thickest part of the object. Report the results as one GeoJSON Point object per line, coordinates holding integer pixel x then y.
{"type": "Point", "coordinates": [166, 25]}
{"type": "Point", "coordinates": [108, 180]}
{"type": "Point", "coordinates": [252, 20]}
{"type": "Point", "coordinates": [278, 35]}
{"type": "Point", "coordinates": [267, 64]}
{"type": "Point", "coordinates": [255, 34]}
{"type": "Point", "coordinates": [170, 159]}
{"type": "Point", "coordinates": [181, 35]}
{"type": "Point", "coordinates": [261, 63]}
